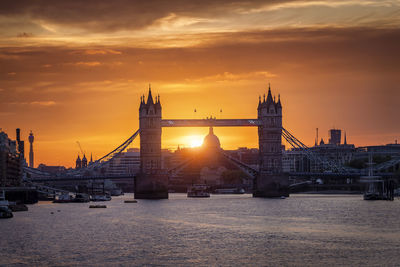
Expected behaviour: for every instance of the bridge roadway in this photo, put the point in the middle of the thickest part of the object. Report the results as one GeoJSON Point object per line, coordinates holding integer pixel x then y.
{"type": "Point", "coordinates": [81, 178]}
{"type": "Point", "coordinates": [131, 176]}
{"type": "Point", "coordinates": [335, 174]}
{"type": "Point", "coordinates": [210, 122]}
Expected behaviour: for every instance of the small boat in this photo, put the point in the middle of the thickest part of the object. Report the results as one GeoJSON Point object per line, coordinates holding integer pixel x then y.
{"type": "Point", "coordinates": [97, 206]}
{"type": "Point", "coordinates": [372, 196]}
{"type": "Point", "coordinates": [5, 212]}
{"type": "Point", "coordinates": [3, 201]}
{"type": "Point", "coordinates": [229, 191]}
{"type": "Point", "coordinates": [96, 198]}
{"type": "Point", "coordinates": [130, 201]}
{"type": "Point", "coordinates": [116, 192]}
{"type": "Point", "coordinates": [64, 198]}
{"type": "Point", "coordinates": [17, 207]}
{"type": "Point", "coordinates": [198, 190]}
{"type": "Point", "coordinates": [81, 198]}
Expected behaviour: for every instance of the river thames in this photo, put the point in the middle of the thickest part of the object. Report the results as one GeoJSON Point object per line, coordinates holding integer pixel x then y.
{"type": "Point", "coordinates": [224, 230]}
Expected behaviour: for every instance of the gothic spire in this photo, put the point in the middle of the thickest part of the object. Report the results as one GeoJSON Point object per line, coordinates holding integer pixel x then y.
{"type": "Point", "coordinates": [150, 97]}
{"type": "Point", "coordinates": [279, 101]}
{"type": "Point", "coordinates": [269, 97]}
{"type": "Point", "coordinates": [158, 104]}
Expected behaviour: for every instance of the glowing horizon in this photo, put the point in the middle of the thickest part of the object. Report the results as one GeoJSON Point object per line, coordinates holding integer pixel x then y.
{"type": "Point", "coordinates": [75, 72]}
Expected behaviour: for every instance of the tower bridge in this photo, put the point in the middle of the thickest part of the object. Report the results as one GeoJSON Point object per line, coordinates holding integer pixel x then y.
{"type": "Point", "coordinates": [152, 181]}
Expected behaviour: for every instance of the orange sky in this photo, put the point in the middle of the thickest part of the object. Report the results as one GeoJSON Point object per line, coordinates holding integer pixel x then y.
{"type": "Point", "coordinates": [74, 71]}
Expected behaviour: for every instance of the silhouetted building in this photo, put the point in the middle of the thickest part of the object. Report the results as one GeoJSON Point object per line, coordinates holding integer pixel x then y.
{"type": "Point", "coordinates": [126, 163]}
{"type": "Point", "coordinates": [84, 161]}
{"type": "Point", "coordinates": [335, 136]}
{"type": "Point", "coordinates": [249, 156]}
{"type": "Point", "coordinates": [78, 162]}
{"type": "Point", "coordinates": [211, 141]}
{"type": "Point", "coordinates": [296, 160]}
{"type": "Point", "coordinates": [10, 162]}
{"type": "Point", "coordinates": [20, 144]}
{"type": "Point", "coordinates": [31, 139]}
{"type": "Point", "coordinates": [51, 169]}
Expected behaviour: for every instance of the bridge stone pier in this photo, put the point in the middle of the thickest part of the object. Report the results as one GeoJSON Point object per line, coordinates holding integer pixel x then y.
{"type": "Point", "coordinates": [152, 181]}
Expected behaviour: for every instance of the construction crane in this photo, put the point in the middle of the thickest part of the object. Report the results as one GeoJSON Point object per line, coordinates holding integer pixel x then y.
{"type": "Point", "coordinates": [80, 147]}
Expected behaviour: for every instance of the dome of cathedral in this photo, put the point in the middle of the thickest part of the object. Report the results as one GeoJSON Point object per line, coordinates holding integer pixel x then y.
{"type": "Point", "coordinates": [211, 140]}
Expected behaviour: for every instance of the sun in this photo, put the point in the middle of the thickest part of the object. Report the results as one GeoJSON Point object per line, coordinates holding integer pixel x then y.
{"type": "Point", "coordinates": [194, 140]}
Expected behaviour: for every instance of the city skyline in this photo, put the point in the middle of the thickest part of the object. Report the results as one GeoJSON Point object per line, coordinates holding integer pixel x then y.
{"type": "Point", "coordinates": [79, 78]}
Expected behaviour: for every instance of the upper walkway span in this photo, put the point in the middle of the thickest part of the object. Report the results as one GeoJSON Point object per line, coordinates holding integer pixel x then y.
{"type": "Point", "coordinates": [210, 123]}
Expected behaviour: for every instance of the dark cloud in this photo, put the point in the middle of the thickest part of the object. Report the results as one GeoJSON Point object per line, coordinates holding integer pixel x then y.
{"type": "Point", "coordinates": [25, 35]}
{"type": "Point", "coordinates": [105, 15]}
{"type": "Point", "coordinates": [309, 50]}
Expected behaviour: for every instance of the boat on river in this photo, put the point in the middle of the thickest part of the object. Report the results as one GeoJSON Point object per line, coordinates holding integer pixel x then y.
{"type": "Point", "coordinates": [229, 191]}
{"type": "Point", "coordinates": [5, 211]}
{"type": "Point", "coordinates": [81, 198]}
{"type": "Point", "coordinates": [198, 190]}
{"type": "Point", "coordinates": [96, 198]}
{"type": "Point", "coordinates": [63, 198]}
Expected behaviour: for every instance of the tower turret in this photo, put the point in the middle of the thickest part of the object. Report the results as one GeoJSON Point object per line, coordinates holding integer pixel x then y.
{"type": "Point", "coordinates": [78, 163]}
{"type": "Point", "coordinates": [270, 182]}
{"type": "Point", "coordinates": [151, 182]}
{"type": "Point", "coordinates": [84, 161]}
{"type": "Point", "coordinates": [150, 134]}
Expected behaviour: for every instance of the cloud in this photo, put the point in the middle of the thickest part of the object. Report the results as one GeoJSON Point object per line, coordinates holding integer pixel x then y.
{"type": "Point", "coordinates": [103, 16]}
{"type": "Point", "coordinates": [102, 52]}
{"type": "Point", "coordinates": [43, 103]}
{"type": "Point", "coordinates": [87, 63]}
{"type": "Point", "coordinates": [25, 35]}
{"type": "Point", "coordinates": [106, 16]}
{"type": "Point", "coordinates": [96, 51]}
{"type": "Point", "coordinates": [228, 76]}
{"type": "Point", "coordinates": [35, 103]}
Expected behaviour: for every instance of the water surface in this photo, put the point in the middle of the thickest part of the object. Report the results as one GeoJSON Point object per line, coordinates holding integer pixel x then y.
{"type": "Point", "coordinates": [224, 230]}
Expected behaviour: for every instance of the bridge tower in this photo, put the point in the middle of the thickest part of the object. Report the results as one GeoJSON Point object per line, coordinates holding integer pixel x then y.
{"type": "Point", "coordinates": [151, 182]}
{"type": "Point", "coordinates": [271, 182]}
